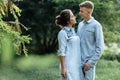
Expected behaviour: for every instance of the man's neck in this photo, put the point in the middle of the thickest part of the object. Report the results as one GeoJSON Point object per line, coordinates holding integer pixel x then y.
{"type": "Point", "coordinates": [87, 18]}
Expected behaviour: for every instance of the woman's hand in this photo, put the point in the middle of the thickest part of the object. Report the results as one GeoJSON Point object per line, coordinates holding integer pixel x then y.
{"type": "Point", "coordinates": [64, 73]}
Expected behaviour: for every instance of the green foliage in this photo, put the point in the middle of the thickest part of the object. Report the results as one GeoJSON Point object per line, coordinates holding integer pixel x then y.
{"type": "Point", "coordinates": [108, 15]}
{"type": "Point", "coordinates": [118, 57]}
{"type": "Point", "coordinates": [41, 22]}
{"type": "Point", "coordinates": [3, 7]}
{"type": "Point", "coordinates": [11, 40]}
{"type": "Point", "coordinates": [108, 55]}
{"type": "Point", "coordinates": [111, 55]}
{"type": "Point", "coordinates": [8, 5]}
{"type": "Point", "coordinates": [110, 37]}
{"type": "Point", "coordinates": [7, 28]}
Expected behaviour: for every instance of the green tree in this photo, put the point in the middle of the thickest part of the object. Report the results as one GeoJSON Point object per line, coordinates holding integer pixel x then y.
{"type": "Point", "coordinates": [108, 15]}
{"type": "Point", "coordinates": [11, 40]}
{"type": "Point", "coordinates": [42, 24]}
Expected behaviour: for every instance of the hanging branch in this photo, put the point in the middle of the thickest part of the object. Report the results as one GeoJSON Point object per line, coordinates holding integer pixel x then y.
{"type": "Point", "coordinates": [19, 40]}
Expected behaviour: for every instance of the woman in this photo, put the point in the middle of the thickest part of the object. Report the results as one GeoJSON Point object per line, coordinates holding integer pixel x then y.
{"type": "Point", "coordinates": [69, 45]}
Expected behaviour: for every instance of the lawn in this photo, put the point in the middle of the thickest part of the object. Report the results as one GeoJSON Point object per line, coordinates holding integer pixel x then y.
{"type": "Point", "coordinates": [47, 68]}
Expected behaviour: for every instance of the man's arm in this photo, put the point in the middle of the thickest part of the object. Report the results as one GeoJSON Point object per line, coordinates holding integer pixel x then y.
{"type": "Point", "coordinates": [99, 46]}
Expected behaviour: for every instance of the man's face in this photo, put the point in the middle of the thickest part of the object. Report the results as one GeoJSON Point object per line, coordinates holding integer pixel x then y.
{"type": "Point", "coordinates": [84, 12]}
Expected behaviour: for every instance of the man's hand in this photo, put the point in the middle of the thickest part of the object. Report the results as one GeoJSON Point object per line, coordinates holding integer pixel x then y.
{"type": "Point", "coordinates": [86, 67]}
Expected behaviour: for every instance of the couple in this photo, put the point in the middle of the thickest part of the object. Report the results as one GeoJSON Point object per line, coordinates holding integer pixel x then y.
{"type": "Point", "coordinates": [79, 52]}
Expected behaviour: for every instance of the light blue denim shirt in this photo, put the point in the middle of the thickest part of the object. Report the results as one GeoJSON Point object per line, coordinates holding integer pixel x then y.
{"type": "Point", "coordinates": [69, 46]}
{"type": "Point", "coordinates": [91, 41]}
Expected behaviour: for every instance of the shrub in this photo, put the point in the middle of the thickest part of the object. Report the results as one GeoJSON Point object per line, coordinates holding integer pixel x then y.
{"type": "Point", "coordinates": [108, 55]}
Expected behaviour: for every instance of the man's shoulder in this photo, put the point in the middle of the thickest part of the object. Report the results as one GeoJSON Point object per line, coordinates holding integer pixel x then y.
{"type": "Point", "coordinates": [96, 23]}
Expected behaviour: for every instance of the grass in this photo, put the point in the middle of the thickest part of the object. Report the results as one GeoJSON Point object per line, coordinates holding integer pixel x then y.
{"type": "Point", "coordinates": [108, 70]}
{"type": "Point", "coordinates": [47, 68]}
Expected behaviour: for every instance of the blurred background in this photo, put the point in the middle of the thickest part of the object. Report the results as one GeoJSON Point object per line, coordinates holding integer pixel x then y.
{"type": "Point", "coordinates": [28, 38]}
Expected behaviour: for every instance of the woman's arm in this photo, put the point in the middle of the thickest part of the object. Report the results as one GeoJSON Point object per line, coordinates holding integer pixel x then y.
{"type": "Point", "coordinates": [62, 42]}
{"type": "Point", "coordinates": [63, 69]}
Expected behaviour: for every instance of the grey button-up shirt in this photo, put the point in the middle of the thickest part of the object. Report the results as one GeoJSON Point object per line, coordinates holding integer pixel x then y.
{"type": "Point", "coordinates": [91, 41]}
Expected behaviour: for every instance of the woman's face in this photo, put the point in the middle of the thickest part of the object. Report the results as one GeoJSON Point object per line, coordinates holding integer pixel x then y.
{"type": "Point", "coordinates": [72, 18]}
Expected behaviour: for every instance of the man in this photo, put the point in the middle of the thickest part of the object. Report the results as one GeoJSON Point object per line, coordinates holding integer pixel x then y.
{"type": "Point", "coordinates": [91, 40]}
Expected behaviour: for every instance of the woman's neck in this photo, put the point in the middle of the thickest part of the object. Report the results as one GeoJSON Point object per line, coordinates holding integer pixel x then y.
{"type": "Point", "coordinates": [70, 26]}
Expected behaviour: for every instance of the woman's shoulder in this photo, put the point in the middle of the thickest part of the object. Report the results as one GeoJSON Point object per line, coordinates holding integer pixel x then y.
{"type": "Point", "coordinates": [62, 33]}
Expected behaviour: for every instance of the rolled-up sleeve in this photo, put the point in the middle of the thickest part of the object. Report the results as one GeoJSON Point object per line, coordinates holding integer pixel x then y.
{"type": "Point", "coordinates": [99, 45]}
{"type": "Point", "coordinates": [62, 42]}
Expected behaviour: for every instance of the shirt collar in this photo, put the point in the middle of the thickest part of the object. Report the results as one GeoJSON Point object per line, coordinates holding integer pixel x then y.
{"type": "Point", "coordinates": [90, 20]}
{"type": "Point", "coordinates": [68, 28]}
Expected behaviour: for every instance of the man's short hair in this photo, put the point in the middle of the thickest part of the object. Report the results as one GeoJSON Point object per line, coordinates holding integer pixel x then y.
{"type": "Point", "coordinates": [87, 4]}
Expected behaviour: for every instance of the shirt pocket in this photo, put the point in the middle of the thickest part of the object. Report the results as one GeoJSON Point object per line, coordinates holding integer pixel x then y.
{"type": "Point", "coordinates": [90, 34]}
